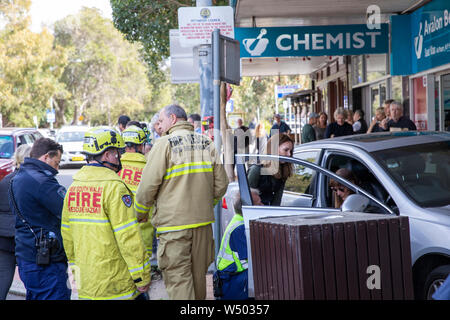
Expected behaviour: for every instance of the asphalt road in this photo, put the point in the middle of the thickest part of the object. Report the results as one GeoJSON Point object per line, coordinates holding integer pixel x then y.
{"type": "Point", "coordinates": [64, 176]}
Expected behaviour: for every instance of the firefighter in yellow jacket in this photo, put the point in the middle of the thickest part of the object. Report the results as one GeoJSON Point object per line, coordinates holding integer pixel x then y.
{"type": "Point", "coordinates": [133, 162]}
{"type": "Point", "coordinates": [183, 179]}
{"type": "Point", "coordinates": [99, 228]}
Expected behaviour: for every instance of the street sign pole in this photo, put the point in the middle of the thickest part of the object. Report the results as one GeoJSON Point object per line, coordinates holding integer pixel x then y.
{"type": "Point", "coordinates": [217, 138]}
{"type": "Point", "coordinates": [205, 69]}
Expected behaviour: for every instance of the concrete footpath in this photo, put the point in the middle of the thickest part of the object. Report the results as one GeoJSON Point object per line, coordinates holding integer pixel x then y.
{"type": "Point", "coordinates": [157, 289]}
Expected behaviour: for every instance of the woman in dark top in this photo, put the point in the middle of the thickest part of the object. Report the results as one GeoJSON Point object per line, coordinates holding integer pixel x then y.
{"type": "Point", "coordinates": [7, 227]}
{"type": "Point", "coordinates": [359, 124]}
{"type": "Point", "coordinates": [270, 178]}
{"type": "Point", "coordinates": [340, 127]}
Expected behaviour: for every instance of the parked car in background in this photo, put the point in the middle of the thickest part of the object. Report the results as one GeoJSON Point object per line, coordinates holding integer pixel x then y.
{"type": "Point", "coordinates": [10, 140]}
{"type": "Point", "coordinates": [48, 133]}
{"type": "Point", "coordinates": [401, 173]}
{"type": "Point", "coordinates": [71, 138]}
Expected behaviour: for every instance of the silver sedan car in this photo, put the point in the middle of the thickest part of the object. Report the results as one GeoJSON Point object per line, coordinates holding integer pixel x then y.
{"type": "Point", "coordinates": [401, 173]}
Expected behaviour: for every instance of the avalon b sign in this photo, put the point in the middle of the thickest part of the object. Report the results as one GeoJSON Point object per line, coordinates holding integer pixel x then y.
{"type": "Point", "coordinates": [312, 40]}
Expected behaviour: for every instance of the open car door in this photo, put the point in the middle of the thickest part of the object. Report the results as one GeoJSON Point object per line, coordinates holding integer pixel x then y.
{"type": "Point", "coordinates": [303, 205]}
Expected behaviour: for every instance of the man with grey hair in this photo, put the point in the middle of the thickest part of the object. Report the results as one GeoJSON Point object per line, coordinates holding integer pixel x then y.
{"type": "Point", "coordinates": [183, 178]}
{"type": "Point", "coordinates": [231, 277]}
{"type": "Point", "coordinates": [398, 121]}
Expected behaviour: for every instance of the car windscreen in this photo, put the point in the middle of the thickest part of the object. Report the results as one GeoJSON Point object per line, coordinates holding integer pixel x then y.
{"type": "Point", "coordinates": [6, 147]}
{"type": "Point", "coordinates": [72, 136]}
{"type": "Point", "coordinates": [422, 171]}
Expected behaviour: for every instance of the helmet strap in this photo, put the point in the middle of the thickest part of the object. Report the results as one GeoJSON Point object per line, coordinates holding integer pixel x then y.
{"type": "Point", "coordinates": [117, 167]}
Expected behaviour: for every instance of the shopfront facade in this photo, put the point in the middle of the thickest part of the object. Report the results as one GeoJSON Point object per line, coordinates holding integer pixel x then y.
{"type": "Point", "coordinates": [421, 51]}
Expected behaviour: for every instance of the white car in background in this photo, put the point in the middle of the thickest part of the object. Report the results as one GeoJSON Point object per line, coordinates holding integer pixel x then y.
{"type": "Point", "coordinates": [71, 138]}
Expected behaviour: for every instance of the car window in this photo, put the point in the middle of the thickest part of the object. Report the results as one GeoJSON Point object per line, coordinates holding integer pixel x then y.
{"type": "Point", "coordinates": [21, 140]}
{"type": "Point", "coordinates": [365, 178]}
{"type": "Point", "coordinates": [422, 171]}
{"type": "Point", "coordinates": [294, 191]}
{"type": "Point", "coordinates": [37, 135]}
{"type": "Point", "coordinates": [29, 139]}
{"type": "Point", "coordinates": [300, 180]}
{"type": "Point", "coordinates": [309, 155]}
{"type": "Point", "coordinates": [6, 147]}
{"type": "Point", "coordinates": [72, 136]}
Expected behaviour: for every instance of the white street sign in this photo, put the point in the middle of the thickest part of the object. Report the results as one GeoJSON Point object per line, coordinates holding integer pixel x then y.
{"type": "Point", "coordinates": [196, 24]}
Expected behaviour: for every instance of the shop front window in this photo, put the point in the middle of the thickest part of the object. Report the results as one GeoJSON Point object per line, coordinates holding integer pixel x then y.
{"type": "Point", "coordinates": [374, 98]}
{"type": "Point", "coordinates": [420, 103]}
{"type": "Point", "coordinates": [376, 66]}
{"type": "Point", "coordinates": [357, 70]}
{"type": "Point", "coordinates": [446, 101]}
{"type": "Point", "coordinates": [396, 83]}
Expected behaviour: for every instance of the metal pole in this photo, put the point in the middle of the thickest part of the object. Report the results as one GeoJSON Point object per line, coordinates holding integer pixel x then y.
{"type": "Point", "coordinates": [205, 69]}
{"type": "Point", "coordinates": [217, 138]}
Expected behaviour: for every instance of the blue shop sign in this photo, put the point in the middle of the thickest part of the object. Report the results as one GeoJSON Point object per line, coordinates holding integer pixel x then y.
{"type": "Point", "coordinates": [302, 41]}
{"type": "Point", "coordinates": [421, 40]}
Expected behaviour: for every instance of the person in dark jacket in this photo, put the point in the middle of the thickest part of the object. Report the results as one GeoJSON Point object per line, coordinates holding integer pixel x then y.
{"type": "Point", "coordinates": [269, 178]}
{"type": "Point", "coordinates": [7, 229]}
{"type": "Point", "coordinates": [340, 127]}
{"type": "Point", "coordinates": [359, 124]}
{"type": "Point", "coordinates": [36, 198]}
{"type": "Point", "coordinates": [398, 121]}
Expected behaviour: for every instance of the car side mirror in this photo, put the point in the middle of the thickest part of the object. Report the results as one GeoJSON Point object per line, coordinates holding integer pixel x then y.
{"type": "Point", "coordinates": [355, 203]}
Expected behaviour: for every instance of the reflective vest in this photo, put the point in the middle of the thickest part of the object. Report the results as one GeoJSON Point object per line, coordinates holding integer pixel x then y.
{"type": "Point", "coordinates": [226, 256]}
{"type": "Point", "coordinates": [132, 165]}
{"type": "Point", "coordinates": [101, 236]}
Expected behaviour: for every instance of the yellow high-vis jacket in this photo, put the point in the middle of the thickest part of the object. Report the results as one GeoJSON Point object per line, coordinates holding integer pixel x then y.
{"type": "Point", "coordinates": [183, 178]}
{"type": "Point", "coordinates": [133, 164]}
{"type": "Point", "coordinates": [101, 236]}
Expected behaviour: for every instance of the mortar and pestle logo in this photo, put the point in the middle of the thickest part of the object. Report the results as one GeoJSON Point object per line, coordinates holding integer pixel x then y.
{"type": "Point", "coordinates": [256, 46]}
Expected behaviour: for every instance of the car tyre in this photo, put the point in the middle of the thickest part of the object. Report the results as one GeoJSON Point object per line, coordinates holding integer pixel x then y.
{"type": "Point", "coordinates": [434, 280]}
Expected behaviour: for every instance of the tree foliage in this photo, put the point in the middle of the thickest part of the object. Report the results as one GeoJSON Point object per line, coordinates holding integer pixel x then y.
{"type": "Point", "coordinates": [149, 23]}
{"type": "Point", "coordinates": [30, 66]}
{"type": "Point", "coordinates": [105, 74]}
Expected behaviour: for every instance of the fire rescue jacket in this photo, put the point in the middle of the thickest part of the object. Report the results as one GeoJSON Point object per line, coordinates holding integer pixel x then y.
{"type": "Point", "coordinates": [101, 236]}
{"type": "Point", "coordinates": [226, 256]}
{"type": "Point", "coordinates": [132, 165]}
{"type": "Point", "coordinates": [183, 178]}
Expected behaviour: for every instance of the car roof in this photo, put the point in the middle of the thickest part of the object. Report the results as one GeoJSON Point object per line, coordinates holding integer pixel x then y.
{"type": "Point", "coordinates": [74, 128]}
{"type": "Point", "coordinates": [372, 142]}
{"type": "Point", "coordinates": [9, 130]}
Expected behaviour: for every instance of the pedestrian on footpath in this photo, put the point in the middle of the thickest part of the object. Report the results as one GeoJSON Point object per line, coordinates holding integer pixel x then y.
{"type": "Point", "coordinates": [308, 132]}
{"type": "Point", "coordinates": [122, 122]}
{"type": "Point", "coordinates": [231, 277]}
{"type": "Point", "coordinates": [99, 228]}
{"type": "Point", "coordinates": [398, 121]}
{"type": "Point", "coordinates": [36, 198]}
{"type": "Point", "coordinates": [133, 162]}
{"type": "Point", "coordinates": [184, 178]}
{"type": "Point", "coordinates": [7, 225]}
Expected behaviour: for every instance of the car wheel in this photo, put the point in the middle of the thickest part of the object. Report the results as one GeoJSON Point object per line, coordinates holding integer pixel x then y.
{"type": "Point", "coordinates": [434, 280]}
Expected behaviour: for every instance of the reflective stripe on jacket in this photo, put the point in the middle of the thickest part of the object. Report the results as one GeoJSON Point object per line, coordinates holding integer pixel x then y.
{"type": "Point", "coordinates": [226, 256]}
{"type": "Point", "coordinates": [101, 236]}
{"type": "Point", "coordinates": [183, 178]}
{"type": "Point", "coordinates": [132, 165]}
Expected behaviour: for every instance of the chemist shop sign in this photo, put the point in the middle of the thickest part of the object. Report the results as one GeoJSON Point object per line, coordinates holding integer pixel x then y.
{"type": "Point", "coordinates": [421, 40]}
{"type": "Point", "coordinates": [312, 40]}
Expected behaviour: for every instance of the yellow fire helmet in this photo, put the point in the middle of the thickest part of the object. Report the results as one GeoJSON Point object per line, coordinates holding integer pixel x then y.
{"type": "Point", "coordinates": [98, 139]}
{"type": "Point", "coordinates": [134, 135]}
